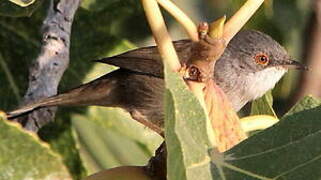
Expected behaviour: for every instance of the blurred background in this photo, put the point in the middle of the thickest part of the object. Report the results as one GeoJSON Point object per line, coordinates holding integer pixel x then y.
{"type": "Point", "coordinates": [92, 139]}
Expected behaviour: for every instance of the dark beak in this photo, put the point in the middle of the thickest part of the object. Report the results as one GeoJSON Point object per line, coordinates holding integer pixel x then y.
{"type": "Point", "coordinates": [294, 65]}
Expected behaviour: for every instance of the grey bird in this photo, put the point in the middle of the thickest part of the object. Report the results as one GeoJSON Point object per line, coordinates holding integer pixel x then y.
{"type": "Point", "coordinates": [250, 66]}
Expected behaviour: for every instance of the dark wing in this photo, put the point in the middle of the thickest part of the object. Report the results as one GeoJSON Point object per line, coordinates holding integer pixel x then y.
{"type": "Point", "coordinates": [147, 59]}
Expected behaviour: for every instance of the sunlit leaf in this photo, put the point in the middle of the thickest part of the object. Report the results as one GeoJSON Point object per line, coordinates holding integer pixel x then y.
{"type": "Point", "coordinates": [24, 156]}
{"type": "Point", "coordinates": [18, 8]}
{"type": "Point", "coordinates": [185, 132]}
{"type": "Point", "coordinates": [258, 122]}
{"type": "Point", "coordinates": [132, 173]}
{"type": "Point", "coordinates": [263, 105]}
{"type": "Point", "coordinates": [107, 147]}
{"type": "Point", "coordinates": [23, 3]}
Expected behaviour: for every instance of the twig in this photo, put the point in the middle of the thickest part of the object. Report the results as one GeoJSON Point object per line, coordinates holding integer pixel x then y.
{"type": "Point", "coordinates": [160, 33]}
{"type": "Point", "coordinates": [48, 68]}
{"type": "Point", "coordinates": [181, 17]}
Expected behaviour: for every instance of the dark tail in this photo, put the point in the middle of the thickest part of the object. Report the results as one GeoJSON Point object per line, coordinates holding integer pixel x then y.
{"type": "Point", "coordinates": [97, 92]}
{"type": "Point", "coordinates": [47, 102]}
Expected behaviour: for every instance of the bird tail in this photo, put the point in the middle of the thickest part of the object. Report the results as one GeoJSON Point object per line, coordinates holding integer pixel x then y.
{"type": "Point", "coordinates": [97, 92]}
{"type": "Point", "coordinates": [46, 102]}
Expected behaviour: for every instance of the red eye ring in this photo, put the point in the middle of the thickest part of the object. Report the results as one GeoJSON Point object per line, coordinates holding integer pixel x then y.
{"type": "Point", "coordinates": [262, 59]}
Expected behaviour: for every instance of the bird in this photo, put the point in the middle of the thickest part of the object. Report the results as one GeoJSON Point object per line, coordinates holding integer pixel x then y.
{"type": "Point", "coordinates": [251, 65]}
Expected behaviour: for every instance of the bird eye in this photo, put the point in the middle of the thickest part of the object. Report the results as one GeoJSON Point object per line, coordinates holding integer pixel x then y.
{"type": "Point", "coordinates": [262, 59]}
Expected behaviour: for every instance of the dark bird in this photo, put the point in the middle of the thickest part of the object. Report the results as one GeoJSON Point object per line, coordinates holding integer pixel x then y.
{"type": "Point", "coordinates": [251, 65]}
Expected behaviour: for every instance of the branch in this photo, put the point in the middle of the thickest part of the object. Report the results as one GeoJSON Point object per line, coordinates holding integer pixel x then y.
{"type": "Point", "coordinates": [47, 70]}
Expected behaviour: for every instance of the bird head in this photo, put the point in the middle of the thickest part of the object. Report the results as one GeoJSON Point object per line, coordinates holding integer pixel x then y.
{"type": "Point", "coordinates": [251, 65]}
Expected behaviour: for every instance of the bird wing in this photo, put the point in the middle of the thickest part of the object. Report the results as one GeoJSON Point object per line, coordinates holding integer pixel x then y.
{"type": "Point", "coordinates": [147, 60]}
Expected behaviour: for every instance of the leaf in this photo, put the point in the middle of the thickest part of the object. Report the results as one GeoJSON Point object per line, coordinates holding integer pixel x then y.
{"type": "Point", "coordinates": [24, 156]}
{"type": "Point", "coordinates": [217, 27]}
{"type": "Point", "coordinates": [107, 147]}
{"type": "Point", "coordinates": [132, 173]}
{"type": "Point", "coordinates": [306, 103]}
{"type": "Point", "coordinates": [186, 133]}
{"type": "Point", "coordinates": [290, 149]}
{"type": "Point", "coordinates": [118, 120]}
{"type": "Point", "coordinates": [258, 122]}
{"type": "Point", "coordinates": [263, 105]}
{"type": "Point", "coordinates": [23, 3]}
{"type": "Point", "coordinates": [18, 8]}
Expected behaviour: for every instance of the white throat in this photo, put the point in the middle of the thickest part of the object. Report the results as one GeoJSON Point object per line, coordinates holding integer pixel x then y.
{"type": "Point", "coordinates": [260, 82]}
{"type": "Point", "coordinates": [254, 86]}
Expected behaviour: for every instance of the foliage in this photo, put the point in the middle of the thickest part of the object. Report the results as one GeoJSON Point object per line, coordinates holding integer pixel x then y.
{"type": "Point", "coordinates": [18, 8]}
{"type": "Point", "coordinates": [288, 150]}
{"type": "Point", "coordinates": [87, 140]}
{"type": "Point", "coordinates": [23, 3]}
{"type": "Point", "coordinates": [24, 156]}
{"type": "Point", "coordinates": [263, 105]}
{"type": "Point", "coordinates": [186, 132]}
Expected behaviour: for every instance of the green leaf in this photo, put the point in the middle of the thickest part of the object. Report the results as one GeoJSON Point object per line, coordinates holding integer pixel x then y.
{"type": "Point", "coordinates": [186, 134]}
{"type": "Point", "coordinates": [23, 3]}
{"type": "Point", "coordinates": [306, 103]}
{"type": "Point", "coordinates": [263, 105]}
{"type": "Point", "coordinates": [108, 147]}
{"type": "Point", "coordinates": [24, 156]}
{"type": "Point", "coordinates": [290, 149]}
{"type": "Point", "coordinates": [121, 173]}
{"type": "Point", "coordinates": [18, 8]}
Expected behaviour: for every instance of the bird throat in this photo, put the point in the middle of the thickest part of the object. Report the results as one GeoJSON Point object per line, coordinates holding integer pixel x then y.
{"type": "Point", "coordinates": [258, 83]}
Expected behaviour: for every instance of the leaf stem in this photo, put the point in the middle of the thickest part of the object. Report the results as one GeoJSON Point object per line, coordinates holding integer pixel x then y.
{"type": "Point", "coordinates": [237, 21]}
{"type": "Point", "coordinates": [161, 35]}
{"type": "Point", "coordinates": [181, 17]}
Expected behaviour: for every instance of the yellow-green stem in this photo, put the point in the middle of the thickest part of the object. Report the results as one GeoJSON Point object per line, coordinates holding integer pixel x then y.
{"type": "Point", "coordinates": [161, 35]}
{"type": "Point", "coordinates": [238, 20]}
{"type": "Point", "coordinates": [181, 17]}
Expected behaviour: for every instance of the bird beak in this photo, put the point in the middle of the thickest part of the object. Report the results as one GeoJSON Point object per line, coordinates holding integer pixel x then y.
{"type": "Point", "coordinates": [290, 64]}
